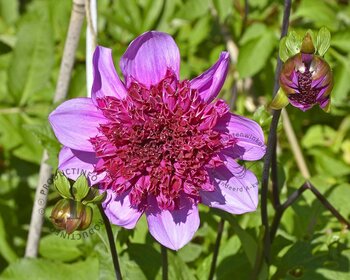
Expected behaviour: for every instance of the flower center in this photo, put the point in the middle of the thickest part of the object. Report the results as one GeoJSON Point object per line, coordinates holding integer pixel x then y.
{"type": "Point", "coordinates": [307, 93]}
{"type": "Point", "coordinates": [159, 142]}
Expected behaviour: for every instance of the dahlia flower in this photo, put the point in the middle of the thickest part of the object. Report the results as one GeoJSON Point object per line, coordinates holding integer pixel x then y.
{"type": "Point", "coordinates": [159, 145]}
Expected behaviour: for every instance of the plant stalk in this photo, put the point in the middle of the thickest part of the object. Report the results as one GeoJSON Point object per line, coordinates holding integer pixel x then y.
{"type": "Point", "coordinates": [45, 173]}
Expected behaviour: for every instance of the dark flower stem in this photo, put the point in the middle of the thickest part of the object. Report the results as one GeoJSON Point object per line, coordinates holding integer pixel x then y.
{"type": "Point", "coordinates": [293, 197]}
{"type": "Point", "coordinates": [271, 143]}
{"type": "Point", "coordinates": [164, 252]}
{"type": "Point", "coordinates": [216, 249]}
{"type": "Point", "coordinates": [281, 208]}
{"type": "Point", "coordinates": [112, 246]}
{"type": "Point", "coordinates": [328, 205]}
{"type": "Point", "coordinates": [274, 179]}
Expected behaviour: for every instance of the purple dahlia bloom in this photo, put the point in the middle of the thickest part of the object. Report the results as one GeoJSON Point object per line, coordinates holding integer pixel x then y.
{"type": "Point", "coordinates": [159, 145]}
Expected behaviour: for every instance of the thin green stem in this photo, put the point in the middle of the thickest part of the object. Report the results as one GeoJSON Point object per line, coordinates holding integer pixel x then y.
{"type": "Point", "coordinates": [216, 249]}
{"type": "Point", "coordinates": [13, 110]}
{"type": "Point", "coordinates": [112, 246]}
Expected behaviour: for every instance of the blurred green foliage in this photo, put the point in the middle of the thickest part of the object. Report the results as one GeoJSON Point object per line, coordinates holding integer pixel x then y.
{"type": "Point", "coordinates": [310, 243]}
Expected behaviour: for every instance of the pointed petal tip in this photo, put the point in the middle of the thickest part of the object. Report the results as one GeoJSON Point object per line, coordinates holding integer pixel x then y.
{"type": "Point", "coordinates": [119, 211]}
{"type": "Point", "coordinates": [210, 82]}
{"type": "Point", "coordinates": [106, 80]}
{"type": "Point", "coordinates": [174, 229]}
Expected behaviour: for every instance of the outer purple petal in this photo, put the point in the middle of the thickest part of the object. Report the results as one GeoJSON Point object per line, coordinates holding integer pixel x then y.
{"type": "Point", "coordinates": [250, 144]}
{"type": "Point", "coordinates": [106, 80]}
{"type": "Point", "coordinates": [173, 229]}
{"type": "Point", "coordinates": [211, 81]}
{"type": "Point", "coordinates": [75, 121]}
{"type": "Point", "coordinates": [148, 58]}
{"type": "Point", "coordinates": [119, 211]}
{"type": "Point", "coordinates": [324, 103]}
{"type": "Point", "coordinates": [236, 189]}
{"type": "Point", "coordinates": [303, 107]}
{"type": "Point", "coordinates": [72, 163]}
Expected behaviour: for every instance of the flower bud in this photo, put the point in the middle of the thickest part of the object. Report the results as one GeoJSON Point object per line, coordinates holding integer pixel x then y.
{"type": "Point", "coordinates": [307, 78]}
{"type": "Point", "coordinates": [70, 215]}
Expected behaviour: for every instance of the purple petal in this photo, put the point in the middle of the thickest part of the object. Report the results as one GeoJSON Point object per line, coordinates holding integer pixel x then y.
{"type": "Point", "coordinates": [250, 137]}
{"type": "Point", "coordinates": [119, 211]}
{"type": "Point", "coordinates": [173, 229]}
{"type": "Point", "coordinates": [73, 163]}
{"type": "Point", "coordinates": [148, 58]}
{"type": "Point", "coordinates": [236, 189]}
{"type": "Point", "coordinates": [75, 121]}
{"type": "Point", "coordinates": [324, 102]}
{"type": "Point", "coordinates": [106, 80]}
{"type": "Point", "coordinates": [303, 107]}
{"type": "Point", "coordinates": [211, 81]}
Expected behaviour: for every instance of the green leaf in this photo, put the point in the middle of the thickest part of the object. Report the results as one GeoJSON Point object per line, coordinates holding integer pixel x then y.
{"type": "Point", "coordinates": [253, 55]}
{"type": "Point", "coordinates": [94, 196]}
{"type": "Point", "coordinates": [318, 13]}
{"type": "Point", "coordinates": [33, 56]}
{"type": "Point", "coordinates": [46, 138]}
{"type": "Point", "coordinates": [80, 188]}
{"type": "Point", "coordinates": [323, 41]}
{"type": "Point", "coordinates": [34, 269]}
{"type": "Point", "coordinates": [248, 243]}
{"type": "Point", "coordinates": [190, 252]}
{"type": "Point", "coordinates": [57, 248]}
{"type": "Point", "coordinates": [224, 8]}
{"type": "Point", "coordinates": [341, 40]}
{"type": "Point", "coordinates": [319, 135]}
{"type": "Point", "coordinates": [193, 9]}
{"type": "Point", "coordinates": [293, 42]}
{"type": "Point", "coordinates": [329, 165]}
{"type": "Point", "coordinates": [341, 82]}
{"type": "Point", "coordinates": [253, 31]}
{"type": "Point", "coordinates": [178, 269]}
{"type": "Point", "coordinates": [145, 255]}
{"type": "Point", "coordinates": [62, 185]}
{"type": "Point", "coordinates": [152, 12]}
{"type": "Point", "coordinates": [340, 198]}
{"type": "Point", "coordinates": [9, 11]}
{"type": "Point", "coordinates": [99, 198]}
{"type": "Point", "coordinates": [6, 251]}
{"type": "Point", "coordinates": [284, 53]}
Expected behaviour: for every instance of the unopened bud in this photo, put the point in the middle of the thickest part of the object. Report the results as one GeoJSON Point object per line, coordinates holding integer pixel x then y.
{"type": "Point", "coordinates": [71, 215]}
{"type": "Point", "coordinates": [307, 80]}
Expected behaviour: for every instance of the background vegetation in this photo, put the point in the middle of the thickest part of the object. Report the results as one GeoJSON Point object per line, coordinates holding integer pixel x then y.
{"type": "Point", "coordinates": [310, 243]}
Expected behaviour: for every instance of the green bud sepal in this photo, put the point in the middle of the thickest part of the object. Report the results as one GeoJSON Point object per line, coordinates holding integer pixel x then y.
{"type": "Point", "coordinates": [280, 100]}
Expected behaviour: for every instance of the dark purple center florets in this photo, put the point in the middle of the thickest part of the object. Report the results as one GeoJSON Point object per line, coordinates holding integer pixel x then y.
{"type": "Point", "coordinates": [160, 142]}
{"type": "Point", "coordinates": [306, 94]}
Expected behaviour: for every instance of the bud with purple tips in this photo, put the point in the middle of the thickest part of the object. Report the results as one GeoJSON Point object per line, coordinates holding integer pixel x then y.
{"type": "Point", "coordinates": [306, 78]}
